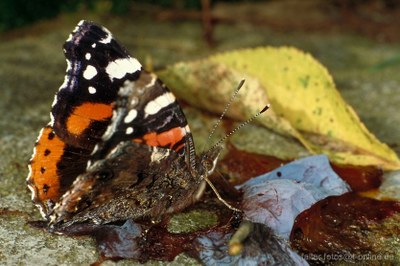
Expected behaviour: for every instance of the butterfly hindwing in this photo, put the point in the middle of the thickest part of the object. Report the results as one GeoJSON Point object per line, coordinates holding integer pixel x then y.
{"type": "Point", "coordinates": [134, 181]}
{"type": "Point", "coordinates": [53, 168]}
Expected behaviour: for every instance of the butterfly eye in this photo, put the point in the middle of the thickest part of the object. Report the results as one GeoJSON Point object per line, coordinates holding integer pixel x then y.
{"type": "Point", "coordinates": [208, 163]}
{"type": "Point", "coordinates": [104, 175]}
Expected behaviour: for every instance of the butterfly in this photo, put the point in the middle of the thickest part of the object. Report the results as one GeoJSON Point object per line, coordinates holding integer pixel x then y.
{"type": "Point", "coordinates": [118, 145]}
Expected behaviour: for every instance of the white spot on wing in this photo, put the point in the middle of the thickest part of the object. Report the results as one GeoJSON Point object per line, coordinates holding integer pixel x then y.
{"type": "Point", "coordinates": [94, 45]}
{"type": "Point", "coordinates": [95, 149]}
{"type": "Point", "coordinates": [129, 130]}
{"type": "Point", "coordinates": [88, 56]}
{"type": "Point", "coordinates": [69, 38]}
{"type": "Point", "coordinates": [67, 77]}
{"type": "Point", "coordinates": [69, 65]}
{"type": "Point", "coordinates": [158, 103]}
{"type": "Point", "coordinates": [152, 82]}
{"type": "Point", "coordinates": [65, 83]}
{"type": "Point", "coordinates": [54, 101]}
{"type": "Point", "coordinates": [157, 155]}
{"type": "Point", "coordinates": [134, 101]}
{"type": "Point", "coordinates": [130, 116]}
{"type": "Point", "coordinates": [120, 67]}
{"type": "Point", "coordinates": [108, 38]}
{"type": "Point", "coordinates": [126, 89]}
{"type": "Point", "coordinates": [51, 119]}
{"type": "Point", "coordinates": [89, 72]}
{"type": "Point", "coordinates": [111, 127]}
{"type": "Point", "coordinates": [31, 188]}
{"type": "Point", "coordinates": [92, 90]}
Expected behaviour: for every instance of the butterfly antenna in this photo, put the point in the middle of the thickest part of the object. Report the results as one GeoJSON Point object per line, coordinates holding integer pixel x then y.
{"type": "Point", "coordinates": [224, 112]}
{"type": "Point", "coordinates": [239, 127]}
{"type": "Point", "coordinates": [219, 196]}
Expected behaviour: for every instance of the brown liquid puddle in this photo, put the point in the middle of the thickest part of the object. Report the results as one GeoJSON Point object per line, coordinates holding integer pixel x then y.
{"type": "Point", "coordinates": [240, 165]}
{"type": "Point", "coordinates": [360, 178]}
{"type": "Point", "coordinates": [341, 224]}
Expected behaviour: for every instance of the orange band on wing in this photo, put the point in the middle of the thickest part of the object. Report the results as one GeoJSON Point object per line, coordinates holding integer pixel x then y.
{"type": "Point", "coordinates": [43, 176]}
{"type": "Point", "coordinates": [170, 137]}
{"type": "Point", "coordinates": [84, 114]}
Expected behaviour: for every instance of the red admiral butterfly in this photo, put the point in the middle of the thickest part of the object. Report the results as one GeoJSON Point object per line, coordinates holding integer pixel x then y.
{"type": "Point", "coordinates": [118, 145]}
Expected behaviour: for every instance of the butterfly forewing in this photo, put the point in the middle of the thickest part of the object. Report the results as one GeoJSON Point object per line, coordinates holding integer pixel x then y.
{"type": "Point", "coordinates": [118, 139]}
{"type": "Point", "coordinates": [97, 66]}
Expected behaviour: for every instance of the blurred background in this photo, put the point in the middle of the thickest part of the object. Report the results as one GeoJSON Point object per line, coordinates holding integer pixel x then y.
{"type": "Point", "coordinates": [376, 18]}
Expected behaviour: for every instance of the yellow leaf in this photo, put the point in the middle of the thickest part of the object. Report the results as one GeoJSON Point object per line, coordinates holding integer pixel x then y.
{"type": "Point", "coordinates": [304, 100]}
